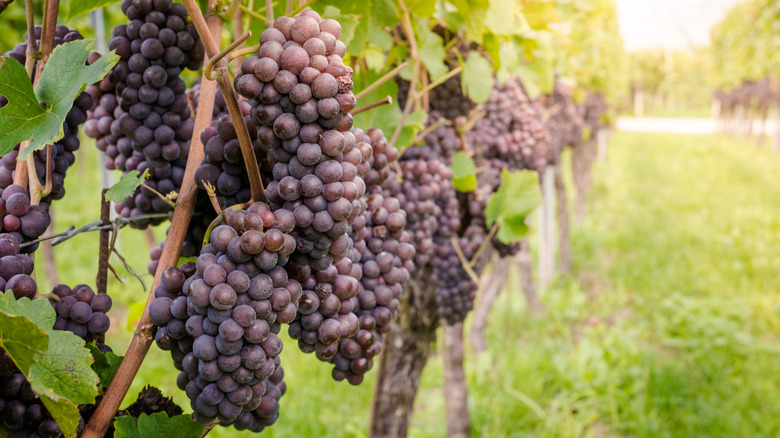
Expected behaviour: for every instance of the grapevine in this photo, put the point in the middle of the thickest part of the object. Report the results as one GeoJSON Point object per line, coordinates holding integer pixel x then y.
{"type": "Point", "coordinates": [355, 227]}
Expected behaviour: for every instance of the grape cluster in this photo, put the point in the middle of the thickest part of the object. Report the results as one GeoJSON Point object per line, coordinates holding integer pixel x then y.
{"type": "Point", "coordinates": [384, 252]}
{"type": "Point", "coordinates": [16, 269]}
{"type": "Point", "coordinates": [80, 311]}
{"type": "Point", "coordinates": [21, 410]}
{"type": "Point", "coordinates": [301, 94]}
{"type": "Point", "coordinates": [222, 322]}
{"type": "Point", "coordinates": [435, 218]}
{"type": "Point", "coordinates": [446, 99]}
{"type": "Point", "coordinates": [593, 110]}
{"type": "Point", "coordinates": [203, 213]}
{"type": "Point", "coordinates": [268, 410]}
{"type": "Point", "coordinates": [62, 152]}
{"type": "Point", "coordinates": [512, 134]}
{"type": "Point", "coordinates": [564, 124]}
{"type": "Point", "coordinates": [223, 165]}
{"type": "Point", "coordinates": [20, 219]}
{"type": "Point", "coordinates": [143, 120]}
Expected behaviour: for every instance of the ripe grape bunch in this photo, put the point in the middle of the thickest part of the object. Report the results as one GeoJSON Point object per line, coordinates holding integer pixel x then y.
{"type": "Point", "coordinates": [447, 99]}
{"type": "Point", "coordinates": [222, 322]}
{"type": "Point", "coordinates": [147, 124]}
{"type": "Point", "coordinates": [80, 310]}
{"type": "Point", "coordinates": [62, 152]}
{"type": "Point", "coordinates": [564, 124]}
{"type": "Point", "coordinates": [512, 134]}
{"type": "Point", "coordinates": [384, 252]}
{"type": "Point", "coordinates": [20, 219]}
{"type": "Point", "coordinates": [301, 93]}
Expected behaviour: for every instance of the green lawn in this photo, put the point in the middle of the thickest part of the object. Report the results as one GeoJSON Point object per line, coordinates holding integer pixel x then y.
{"type": "Point", "coordinates": [668, 326]}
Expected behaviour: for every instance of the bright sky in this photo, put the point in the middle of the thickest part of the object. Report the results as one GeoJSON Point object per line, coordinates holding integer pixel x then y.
{"type": "Point", "coordinates": [675, 24]}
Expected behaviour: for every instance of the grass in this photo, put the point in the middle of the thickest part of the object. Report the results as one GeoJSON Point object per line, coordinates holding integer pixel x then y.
{"type": "Point", "coordinates": [668, 326]}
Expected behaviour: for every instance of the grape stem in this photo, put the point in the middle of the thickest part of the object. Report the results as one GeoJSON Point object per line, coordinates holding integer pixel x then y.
{"type": "Point", "coordinates": [484, 244]}
{"type": "Point", "coordinates": [386, 101]}
{"type": "Point", "coordinates": [48, 29]}
{"type": "Point", "coordinates": [247, 18]}
{"type": "Point", "coordinates": [463, 261]}
{"type": "Point", "coordinates": [159, 195]}
{"type": "Point", "coordinates": [49, 166]}
{"type": "Point", "coordinates": [475, 114]}
{"type": "Point", "coordinates": [251, 50]}
{"type": "Point", "coordinates": [382, 80]}
{"type": "Point", "coordinates": [32, 53]}
{"type": "Point", "coordinates": [231, 10]}
{"type": "Point", "coordinates": [36, 189]}
{"type": "Point", "coordinates": [225, 85]}
{"type": "Point", "coordinates": [440, 81]}
{"type": "Point", "coordinates": [209, 67]}
{"type": "Point", "coordinates": [251, 13]}
{"type": "Point", "coordinates": [420, 137]}
{"type": "Point", "coordinates": [301, 6]}
{"type": "Point", "coordinates": [50, 8]}
{"type": "Point", "coordinates": [92, 226]}
{"type": "Point", "coordinates": [238, 29]}
{"type": "Point", "coordinates": [406, 24]}
{"type": "Point", "coordinates": [269, 11]}
{"type": "Point", "coordinates": [212, 196]}
{"type": "Point", "coordinates": [182, 214]}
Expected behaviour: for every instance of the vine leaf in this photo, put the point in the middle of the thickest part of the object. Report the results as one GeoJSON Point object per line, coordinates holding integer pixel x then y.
{"type": "Point", "coordinates": [477, 78]}
{"type": "Point", "coordinates": [463, 172]}
{"type": "Point", "coordinates": [105, 365]}
{"type": "Point", "coordinates": [38, 114]}
{"type": "Point", "coordinates": [157, 425]}
{"type": "Point", "coordinates": [431, 48]}
{"type": "Point", "coordinates": [59, 368]}
{"type": "Point", "coordinates": [348, 22]}
{"type": "Point", "coordinates": [518, 197]}
{"type": "Point", "coordinates": [126, 186]}
{"type": "Point", "coordinates": [20, 334]}
{"type": "Point", "coordinates": [74, 8]}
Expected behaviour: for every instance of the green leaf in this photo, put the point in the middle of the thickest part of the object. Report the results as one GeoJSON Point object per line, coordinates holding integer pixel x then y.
{"type": "Point", "coordinates": [39, 312]}
{"type": "Point", "coordinates": [65, 370]}
{"type": "Point", "coordinates": [105, 364]}
{"type": "Point", "coordinates": [65, 413]}
{"type": "Point", "coordinates": [362, 18]}
{"type": "Point", "coordinates": [423, 8]}
{"type": "Point", "coordinates": [157, 425]}
{"type": "Point", "coordinates": [493, 48]}
{"type": "Point", "coordinates": [126, 186]}
{"type": "Point", "coordinates": [20, 336]}
{"type": "Point", "coordinates": [431, 50]}
{"type": "Point", "coordinates": [375, 58]}
{"type": "Point", "coordinates": [518, 197]}
{"type": "Point", "coordinates": [63, 79]}
{"type": "Point", "coordinates": [414, 122]}
{"type": "Point", "coordinates": [477, 78]}
{"type": "Point", "coordinates": [60, 370]}
{"type": "Point", "coordinates": [503, 17]}
{"type": "Point", "coordinates": [348, 22]}
{"type": "Point", "coordinates": [74, 8]}
{"type": "Point", "coordinates": [183, 260]}
{"type": "Point", "coordinates": [464, 175]}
